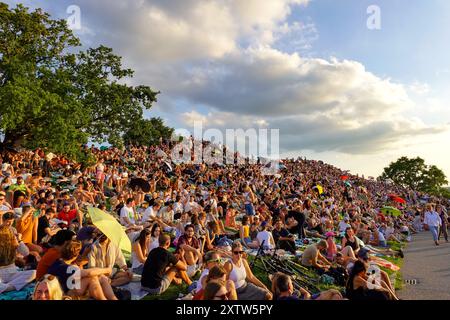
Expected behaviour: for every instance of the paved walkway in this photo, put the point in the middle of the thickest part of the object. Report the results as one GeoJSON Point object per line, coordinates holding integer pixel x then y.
{"type": "Point", "coordinates": [429, 266]}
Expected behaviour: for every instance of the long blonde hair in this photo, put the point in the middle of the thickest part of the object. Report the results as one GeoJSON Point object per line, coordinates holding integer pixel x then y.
{"type": "Point", "coordinates": [54, 288]}
{"type": "Point", "coordinates": [8, 246]}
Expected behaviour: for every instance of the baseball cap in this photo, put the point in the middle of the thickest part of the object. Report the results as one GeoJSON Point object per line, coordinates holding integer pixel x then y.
{"type": "Point", "coordinates": [363, 254]}
{"type": "Point", "coordinates": [263, 224]}
{"type": "Point", "coordinates": [86, 233]}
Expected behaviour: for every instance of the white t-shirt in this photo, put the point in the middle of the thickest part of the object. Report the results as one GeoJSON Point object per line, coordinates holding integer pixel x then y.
{"type": "Point", "coordinates": [265, 236]}
{"type": "Point", "coordinates": [199, 282]}
{"type": "Point", "coordinates": [381, 236]}
{"type": "Point", "coordinates": [166, 214]}
{"type": "Point", "coordinates": [5, 167]}
{"type": "Point", "coordinates": [343, 226]}
{"type": "Point", "coordinates": [128, 213]}
{"type": "Point", "coordinates": [178, 207]}
{"type": "Point", "coordinates": [5, 208]}
{"type": "Point", "coordinates": [149, 212]}
{"type": "Point", "coordinates": [153, 244]}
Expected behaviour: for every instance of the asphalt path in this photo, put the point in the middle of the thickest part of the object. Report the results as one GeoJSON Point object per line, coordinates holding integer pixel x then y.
{"type": "Point", "coordinates": [426, 269]}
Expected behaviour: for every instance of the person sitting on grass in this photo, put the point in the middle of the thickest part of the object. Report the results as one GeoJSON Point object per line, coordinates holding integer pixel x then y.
{"type": "Point", "coordinates": [230, 219]}
{"type": "Point", "coordinates": [10, 277]}
{"type": "Point", "coordinates": [248, 287]}
{"type": "Point", "coordinates": [104, 254]}
{"type": "Point", "coordinates": [190, 245]}
{"type": "Point", "coordinates": [79, 282]}
{"type": "Point", "coordinates": [162, 267]}
{"type": "Point", "coordinates": [48, 288]}
{"type": "Point", "coordinates": [27, 225]}
{"type": "Point", "coordinates": [364, 256]}
{"type": "Point", "coordinates": [140, 250]}
{"type": "Point", "coordinates": [217, 274]}
{"type": "Point", "coordinates": [312, 257]}
{"type": "Point", "coordinates": [57, 242]}
{"type": "Point", "coordinates": [215, 290]}
{"type": "Point", "coordinates": [244, 233]}
{"type": "Point", "coordinates": [283, 238]}
{"type": "Point", "coordinates": [359, 288]}
{"type": "Point", "coordinates": [266, 237]}
{"type": "Point", "coordinates": [283, 289]}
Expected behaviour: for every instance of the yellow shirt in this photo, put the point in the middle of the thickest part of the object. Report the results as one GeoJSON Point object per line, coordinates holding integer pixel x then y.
{"type": "Point", "coordinates": [26, 228]}
{"type": "Point", "coordinates": [246, 231]}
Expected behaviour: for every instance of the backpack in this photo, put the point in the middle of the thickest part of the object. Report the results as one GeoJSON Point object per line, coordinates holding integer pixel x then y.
{"type": "Point", "coordinates": [339, 274]}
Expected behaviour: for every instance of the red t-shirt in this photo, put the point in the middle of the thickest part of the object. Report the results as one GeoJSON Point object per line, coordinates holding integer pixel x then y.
{"type": "Point", "coordinates": [69, 216]}
{"type": "Point", "coordinates": [46, 261]}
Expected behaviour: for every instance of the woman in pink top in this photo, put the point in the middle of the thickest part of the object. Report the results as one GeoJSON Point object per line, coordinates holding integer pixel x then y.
{"type": "Point", "coordinates": [332, 250]}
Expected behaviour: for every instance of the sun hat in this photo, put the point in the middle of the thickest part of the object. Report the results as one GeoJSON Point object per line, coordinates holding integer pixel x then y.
{"type": "Point", "coordinates": [330, 234]}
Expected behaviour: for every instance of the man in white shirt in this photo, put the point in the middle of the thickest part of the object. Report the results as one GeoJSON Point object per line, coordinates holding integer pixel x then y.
{"type": "Point", "coordinates": [191, 205]}
{"type": "Point", "coordinates": [151, 212]}
{"type": "Point", "coordinates": [127, 216]}
{"type": "Point", "coordinates": [433, 221]}
{"type": "Point", "coordinates": [343, 225]}
{"type": "Point", "coordinates": [167, 215]}
{"type": "Point", "coordinates": [178, 207]}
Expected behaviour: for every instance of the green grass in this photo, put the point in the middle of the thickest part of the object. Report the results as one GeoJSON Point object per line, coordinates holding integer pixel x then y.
{"type": "Point", "coordinates": [173, 292]}
{"type": "Point", "coordinates": [398, 284]}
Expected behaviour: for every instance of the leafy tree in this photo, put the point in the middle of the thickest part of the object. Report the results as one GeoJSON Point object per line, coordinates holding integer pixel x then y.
{"type": "Point", "coordinates": [414, 173]}
{"type": "Point", "coordinates": [56, 98]}
{"type": "Point", "coordinates": [147, 132]}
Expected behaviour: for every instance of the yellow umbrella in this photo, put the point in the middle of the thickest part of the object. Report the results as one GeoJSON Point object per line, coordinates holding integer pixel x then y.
{"type": "Point", "coordinates": [107, 224]}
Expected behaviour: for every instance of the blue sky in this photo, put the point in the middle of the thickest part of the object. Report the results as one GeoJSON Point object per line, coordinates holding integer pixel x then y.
{"type": "Point", "coordinates": [339, 92]}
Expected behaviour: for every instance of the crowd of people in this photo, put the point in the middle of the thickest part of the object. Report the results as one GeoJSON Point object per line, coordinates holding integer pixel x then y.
{"type": "Point", "coordinates": [189, 219]}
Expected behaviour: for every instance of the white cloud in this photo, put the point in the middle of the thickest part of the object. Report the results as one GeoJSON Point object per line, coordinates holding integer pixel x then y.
{"type": "Point", "coordinates": [419, 88]}
{"type": "Point", "coordinates": [236, 59]}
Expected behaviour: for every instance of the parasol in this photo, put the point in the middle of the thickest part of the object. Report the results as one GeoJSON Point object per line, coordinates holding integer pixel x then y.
{"type": "Point", "coordinates": [110, 227]}
{"type": "Point", "coordinates": [397, 199]}
{"type": "Point", "coordinates": [141, 183]}
{"type": "Point", "coordinates": [391, 210]}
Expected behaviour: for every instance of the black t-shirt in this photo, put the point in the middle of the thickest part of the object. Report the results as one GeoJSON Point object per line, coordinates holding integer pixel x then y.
{"type": "Point", "coordinates": [155, 266]}
{"type": "Point", "coordinates": [61, 270]}
{"type": "Point", "coordinates": [298, 216]}
{"type": "Point", "coordinates": [277, 234]}
{"type": "Point", "coordinates": [42, 225]}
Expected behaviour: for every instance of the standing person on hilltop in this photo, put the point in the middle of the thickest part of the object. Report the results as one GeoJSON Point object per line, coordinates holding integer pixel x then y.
{"type": "Point", "coordinates": [433, 221]}
{"type": "Point", "coordinates": [444, 218]}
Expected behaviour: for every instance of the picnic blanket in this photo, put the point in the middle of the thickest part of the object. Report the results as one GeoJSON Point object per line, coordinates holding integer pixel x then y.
{"type": "Point", "coordinates": [135, 288]}
{"type": "Point", "coordinates": [24, 294]}
{"type": "Point", "coordinates": [384, 263]}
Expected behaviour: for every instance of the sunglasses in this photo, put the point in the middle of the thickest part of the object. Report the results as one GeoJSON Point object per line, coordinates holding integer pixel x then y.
{"type": "Point", "coordinates": [238, 252]}
{"type": "Point", "coordinates": [216, 260]}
